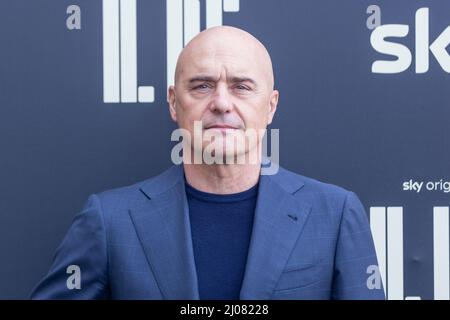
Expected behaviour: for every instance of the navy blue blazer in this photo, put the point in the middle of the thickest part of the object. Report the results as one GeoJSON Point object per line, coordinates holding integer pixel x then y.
{"type": "Point", "coordinates": [310, 240]}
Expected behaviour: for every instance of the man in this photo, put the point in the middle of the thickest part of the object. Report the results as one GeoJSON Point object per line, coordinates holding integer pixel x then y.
{"type": "Point", "coordinates": [220, 230]}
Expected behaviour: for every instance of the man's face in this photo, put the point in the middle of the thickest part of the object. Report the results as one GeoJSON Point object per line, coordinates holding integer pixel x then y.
{"type": "Point", "coordinates": [225, 83]}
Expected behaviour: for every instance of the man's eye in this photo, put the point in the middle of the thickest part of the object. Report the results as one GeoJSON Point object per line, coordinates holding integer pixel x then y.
{"type": "Point", "coordinates": [242, 87]}
{"type": "Point", "coordinates": [202, 86]}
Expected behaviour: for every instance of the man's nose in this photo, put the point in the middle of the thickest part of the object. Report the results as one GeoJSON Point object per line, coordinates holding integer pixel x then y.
{"type": "Point", "coordinates": [221, 101]}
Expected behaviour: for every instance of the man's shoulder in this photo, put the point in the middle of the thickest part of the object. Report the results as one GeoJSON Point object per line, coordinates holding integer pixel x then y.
{"type": "Point", "coordinates": [167, 178]}
{"type": "Point", "coordinates": [159, 183]}
{"type": "Point", "coordinates": [308, 184]}
{"type": "Point", "coordinates": [139, 190]}
{"type": "Point", "coordinates": [323, 196]}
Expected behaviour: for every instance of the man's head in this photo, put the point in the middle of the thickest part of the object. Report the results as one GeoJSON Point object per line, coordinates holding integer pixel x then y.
{"type": "Point", "coordinates": [224, 78]}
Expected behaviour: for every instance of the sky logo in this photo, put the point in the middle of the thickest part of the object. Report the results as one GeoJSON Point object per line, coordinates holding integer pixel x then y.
{"type": "Point", "coordinates": [120, 43]}
{"type": "Point", "coordinates": [403, 53]}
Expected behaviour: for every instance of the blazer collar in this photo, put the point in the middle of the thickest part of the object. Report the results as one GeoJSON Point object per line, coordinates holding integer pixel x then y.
{"type": "Point", "coordinates": [163, 227]}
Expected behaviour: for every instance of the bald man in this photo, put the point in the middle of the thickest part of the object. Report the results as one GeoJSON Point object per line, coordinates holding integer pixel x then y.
{"type": "Point", "coordinates": [215, 227]}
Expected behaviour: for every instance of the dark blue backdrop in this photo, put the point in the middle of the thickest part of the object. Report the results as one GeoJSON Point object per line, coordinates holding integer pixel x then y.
{"type": "Point", "coordinates": [338, 121]}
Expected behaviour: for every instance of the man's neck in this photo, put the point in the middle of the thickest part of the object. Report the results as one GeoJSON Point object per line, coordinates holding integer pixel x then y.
{"type": "Point", "coordinates": [222, 178]}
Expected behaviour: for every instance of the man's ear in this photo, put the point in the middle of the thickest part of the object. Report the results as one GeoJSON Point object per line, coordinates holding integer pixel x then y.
{"type": "Point", "coordinates": [273, 102]}
{"type": "Point", "coordinates": [172, 103]}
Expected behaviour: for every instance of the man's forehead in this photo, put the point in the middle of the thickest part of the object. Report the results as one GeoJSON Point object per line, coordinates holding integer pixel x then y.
{"type": "Point", "coordinates": [216, 65]}
{"type": "Point", "coordinates": [225, 51]}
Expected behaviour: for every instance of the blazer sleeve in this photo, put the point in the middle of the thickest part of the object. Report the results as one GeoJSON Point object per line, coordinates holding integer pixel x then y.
{"type": "Point", "coordinates": [79, 269]}
{"type": "Point", "coordinates": [355, 263]}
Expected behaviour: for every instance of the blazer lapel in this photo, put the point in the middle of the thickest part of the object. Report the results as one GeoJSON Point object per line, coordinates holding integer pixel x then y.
{"type": "Point", "coordinates": [163, 227]}
{"type": "Point", "coordinates": [278, 222]}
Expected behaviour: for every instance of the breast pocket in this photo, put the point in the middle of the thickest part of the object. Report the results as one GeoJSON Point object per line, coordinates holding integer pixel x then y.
{"type": "Point", "coordinates": [299, 276]}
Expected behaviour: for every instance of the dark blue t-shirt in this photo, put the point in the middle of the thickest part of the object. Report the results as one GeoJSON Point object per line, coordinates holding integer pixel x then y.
{"type": "Point", "coordinates": [221, 227]}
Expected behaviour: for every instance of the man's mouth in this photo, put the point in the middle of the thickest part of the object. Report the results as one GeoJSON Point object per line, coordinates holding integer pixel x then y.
{"type": "Point", "coordinates": [221, 127]}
